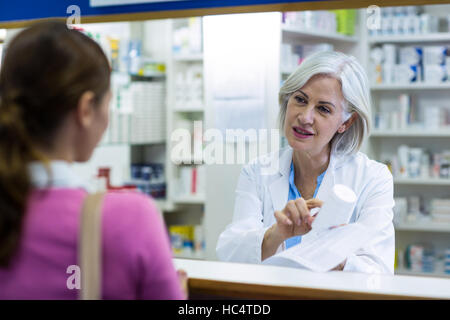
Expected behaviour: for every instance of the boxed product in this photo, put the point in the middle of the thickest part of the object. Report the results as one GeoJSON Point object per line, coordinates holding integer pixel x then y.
{"type": "Point", "coordinates": [405, 73]}
{"type": "Point", "coordinates": [434, 73]}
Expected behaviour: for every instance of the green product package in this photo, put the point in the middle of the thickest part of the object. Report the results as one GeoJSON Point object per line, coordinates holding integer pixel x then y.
{"type": "Point", "coordinates": [346, 20]}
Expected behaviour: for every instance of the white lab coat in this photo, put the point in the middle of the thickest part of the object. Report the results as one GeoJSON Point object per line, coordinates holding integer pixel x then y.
{"type": "Point", "coordinates": [259, 194]}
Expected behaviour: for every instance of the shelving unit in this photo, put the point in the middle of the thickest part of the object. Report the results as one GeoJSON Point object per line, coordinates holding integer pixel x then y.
{"type": "Point", "coordinates": [421, 38]}
{"type": "Point", "coordinates": [386, 141]}
{"type": "Point", "coordinates": [406, 272]}
{"type": "Point", "coordinates": [190, 199]}
{"type": "Point", "coordinates": [422, 182]}
{"type": "Point", "coordinates": [412, 86]}
{"type": "Point", "coordinates": [188, 57]}
{"type": "Point", "coordinates": [295, 36]}
{"type": "Point", "coordinates": [424, 226]}
{"type": "Point", "coordinates": [292, 33]}
{"type": "Point", "coordinates": [188, 208]}
{"type": "Point", "coordinates": [422, 133]}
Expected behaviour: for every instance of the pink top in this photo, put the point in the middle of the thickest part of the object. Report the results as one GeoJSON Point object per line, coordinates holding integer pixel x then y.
{"type": "Point", "coordinates": [136, 257]}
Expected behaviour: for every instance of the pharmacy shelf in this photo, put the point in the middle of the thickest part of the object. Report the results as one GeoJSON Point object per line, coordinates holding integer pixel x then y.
{"type": "Point", "coordinates": [187, 161]}
{"type": "Point", "coordinates": [140, 76]}
{"type": "Point", "coordinates": [311, 35]}
{"type": "Point", "coordinates": [147, 76]}
{"type": "Point", "coordinates": [420, 38]}
{"type": "Point", "coordinates": [190, 199]}
{"type": "Point", "coordinates": [411, 86]}
{"type": "Point", "coordinates": [145, 143]}
{"type": "Point", "coordinates": [188, 57]}
{"type": "Point", "coordinates": [425, 226]}
{"type": "Point", "coordinates": [163, 205]}
{"type": "Point", "coordinates": [189, 255]}
{"type": "Point", "coordinates": [444, 133]}
{"type": "Point", "coordinates": [198, 108]}
{"type": "Point", "coordinates": [430, 181]}
{"type": "Point", "coordinates": [406, 272]}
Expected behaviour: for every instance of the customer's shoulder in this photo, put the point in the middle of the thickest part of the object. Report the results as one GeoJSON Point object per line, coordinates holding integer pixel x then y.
{"type": "Point", "coordinates": [131, 221]}
{"type": "Point", "coordinates": [130, 203]}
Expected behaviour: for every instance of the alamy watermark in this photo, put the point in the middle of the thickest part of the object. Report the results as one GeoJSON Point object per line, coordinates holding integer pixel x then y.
{"type": "Point", "coordinates": [236, 146]}
{"type": "Point", "coordinates": [74, 280]}
{"type": "Point", "coordinates": [75, 15]}
{"type": "Point", "coordinates": [373, 21]}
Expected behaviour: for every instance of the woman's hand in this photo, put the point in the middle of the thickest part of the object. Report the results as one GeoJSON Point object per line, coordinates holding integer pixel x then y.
{"type": "Point", "coordinates": [183, 278]}
{"type": "Point", "coordinates": [295, 218]}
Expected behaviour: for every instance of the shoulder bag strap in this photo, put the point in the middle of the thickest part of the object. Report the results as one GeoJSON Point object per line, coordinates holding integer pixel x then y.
{"type": "Point", "coordinates": [90, 245]}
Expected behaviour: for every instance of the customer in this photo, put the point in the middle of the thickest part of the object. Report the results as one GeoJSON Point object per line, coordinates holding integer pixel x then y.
{"type": "Point", "coordinates": [55, 94]}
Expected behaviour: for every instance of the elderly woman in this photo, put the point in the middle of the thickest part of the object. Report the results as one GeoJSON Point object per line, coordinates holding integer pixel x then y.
{"type": "Point", "coordinates": [325, 116]}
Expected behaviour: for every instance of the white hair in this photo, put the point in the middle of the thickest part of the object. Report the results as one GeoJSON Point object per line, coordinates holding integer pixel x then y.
{"type": "Point", "coordinates": [355, 89]}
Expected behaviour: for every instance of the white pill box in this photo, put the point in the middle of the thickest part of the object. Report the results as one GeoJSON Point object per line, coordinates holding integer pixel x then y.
{"type": "Point", "coordinates": [337, 209]}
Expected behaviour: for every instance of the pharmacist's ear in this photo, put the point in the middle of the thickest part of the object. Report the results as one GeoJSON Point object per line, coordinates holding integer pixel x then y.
{"type": "Point", "coordinates": [347, 124]}
{"type": "Point", "coordinates": [85, 109]}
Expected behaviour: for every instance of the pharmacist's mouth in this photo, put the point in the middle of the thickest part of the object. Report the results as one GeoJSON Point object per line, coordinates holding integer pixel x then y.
{"type": "Point", "coordinates": [303, 131]}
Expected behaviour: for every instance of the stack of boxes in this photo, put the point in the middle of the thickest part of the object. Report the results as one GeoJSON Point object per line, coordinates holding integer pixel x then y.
{"type": "Point", "coordinates": [318, 21]}
{"type": "Point", "coordinates": [191, 181]}
{"type": "Point", "coordinates": [440, 210]}
{"type": "Point", "coordinates": [293, 55]}
{"type": "Point", "coordinates": [149, 178]}
{"type": "Point", "coordinates": [392, 64]}
{"type": "Point", "coordinates": [420, 258]}
{"type": "Point", "coordinates": [189, 87]}
{"type": "Point", "coordinates": [187, 240]}
{"type": "Point", "coordinates": [418, 163]}
{"type": "Point", "coordinates": [188, 38]}
{"type": "Point", "coordinates": [148, 121]}
{"type": "Point", "coordinates": [403, 20]}
{"type": "Point", "coordinates": [447, 261]}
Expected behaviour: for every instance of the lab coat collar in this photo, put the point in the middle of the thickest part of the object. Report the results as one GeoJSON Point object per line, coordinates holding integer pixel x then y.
{"type": "Point", "coordinates": [279, 189]}
{"type": "Point", "coordinates": [61, 176]}
{"type": "Point", "coordinates": [336, 160]}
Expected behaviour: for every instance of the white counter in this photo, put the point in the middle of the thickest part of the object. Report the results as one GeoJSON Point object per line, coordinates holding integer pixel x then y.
{"type": "Point", "coordinates": [335, 284]}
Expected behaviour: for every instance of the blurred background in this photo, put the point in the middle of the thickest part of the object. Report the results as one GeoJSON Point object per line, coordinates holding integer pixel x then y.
{"type": "Point", "coordinates": [226, 70]}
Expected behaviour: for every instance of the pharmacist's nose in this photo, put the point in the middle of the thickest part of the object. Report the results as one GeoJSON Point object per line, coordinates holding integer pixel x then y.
{"type": "Point", "coordinates": [306, 116]}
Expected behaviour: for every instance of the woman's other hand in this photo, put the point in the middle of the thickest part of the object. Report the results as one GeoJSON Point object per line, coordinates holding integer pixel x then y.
{"type": "Point", "coordinates": [340, 266]}
{"type": "Point", "coordinates": [183, 278]}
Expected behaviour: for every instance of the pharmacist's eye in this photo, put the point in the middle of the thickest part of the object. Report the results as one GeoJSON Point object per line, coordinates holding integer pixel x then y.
{"type": "Point", "coordinates": [300, 99]}
{"type": "Point", "coordinates": [324, 109]}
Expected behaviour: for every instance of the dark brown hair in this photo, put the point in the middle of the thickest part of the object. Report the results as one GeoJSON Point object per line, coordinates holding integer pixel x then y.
{"type": "Point", "coordinates": [46, 69]}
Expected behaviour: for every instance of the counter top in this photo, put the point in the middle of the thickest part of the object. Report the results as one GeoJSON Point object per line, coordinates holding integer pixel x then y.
{"type": "Point", "coordinates": [213, 279]}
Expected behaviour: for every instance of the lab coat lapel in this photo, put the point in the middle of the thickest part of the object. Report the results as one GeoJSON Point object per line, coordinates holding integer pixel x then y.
{"type": "Point", "coordinates": [279, 189]}
{"type": "Point", "coordinates": [323, 193]}
{"type": "Point", "coordinates": [328, 181]}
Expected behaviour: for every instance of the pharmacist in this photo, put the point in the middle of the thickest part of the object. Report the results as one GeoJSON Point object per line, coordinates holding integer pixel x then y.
{"type": "Point", "coordinates": [324, 114]}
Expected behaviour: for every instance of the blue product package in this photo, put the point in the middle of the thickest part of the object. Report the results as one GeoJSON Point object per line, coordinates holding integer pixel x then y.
{"type": "Point", "coordinates": [146, 172]}
{"type": "Point", "coordinates": [134, 54]}
{"type": "Point", "coordinates": [135, 171]}
{"type": "Point", "coordinates": [416, 69]}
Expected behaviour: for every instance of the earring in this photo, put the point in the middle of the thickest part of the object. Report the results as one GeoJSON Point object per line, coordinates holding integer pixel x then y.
{"type": "Point", "coordinates": [341, 129]}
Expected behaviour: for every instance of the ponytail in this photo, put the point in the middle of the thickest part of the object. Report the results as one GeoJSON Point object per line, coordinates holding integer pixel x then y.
{"type": "Point", "coordinates": [15, 153]}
